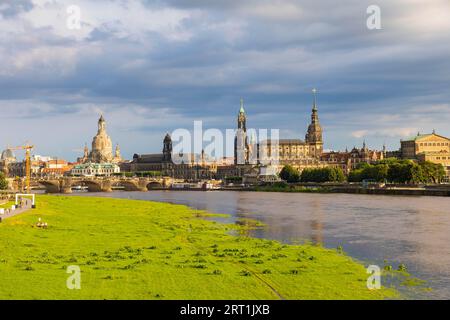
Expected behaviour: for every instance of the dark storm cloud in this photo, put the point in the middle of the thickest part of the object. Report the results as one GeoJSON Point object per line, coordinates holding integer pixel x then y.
{"type": "Point", "coordinates": [186, 60]}
{"type": "Point", "coordinates": [9, 9]}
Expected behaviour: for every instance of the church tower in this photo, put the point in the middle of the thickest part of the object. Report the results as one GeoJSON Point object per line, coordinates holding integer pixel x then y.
{"type": "Point", "coordinates": [167, 148]}
{"type": "Point", "coordinates": [117, 155]}
{"type": "Point", "coordinates": [86, 152]}
{"type": "Point", "coordinates": [241, 139]}
{"type": "Point", "coordinates": [314, 135]}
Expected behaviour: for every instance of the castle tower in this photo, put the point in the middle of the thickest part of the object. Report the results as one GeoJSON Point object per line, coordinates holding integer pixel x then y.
{"type": "Point", "coordinates": [314, 135]}
{"type": "Point", "coordinates": [167, 148]}
{"type": "Point", "coordinates": [241, 139]}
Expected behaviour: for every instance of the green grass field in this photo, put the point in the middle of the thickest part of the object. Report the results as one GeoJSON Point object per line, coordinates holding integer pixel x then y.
{"type": "Point", "coordinates": [7, 204]}
{"type": "Point", "coordinates": [129, 249]}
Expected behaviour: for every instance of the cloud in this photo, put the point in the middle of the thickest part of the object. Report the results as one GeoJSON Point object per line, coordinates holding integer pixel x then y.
{"type": "Point", "coordinates": [152, 66]}
{"type": "Point", "coordinates": [13, 8]}
{"type": "Point", "coordinates": [360, 133]}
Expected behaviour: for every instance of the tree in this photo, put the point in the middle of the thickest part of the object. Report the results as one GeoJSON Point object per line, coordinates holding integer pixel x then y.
{"type": "Point", "coordinates": [432, 172]}
{"type": "Point", "coordinates": [398, 171]}
{"type": "Point", "coordinates": [3, 182]}
{"type": "Point", "coordinates": [418, 174]}
{"type": "Point", "coordinates": [289, 174]}
{"type": "Point", "coordinates": [378, 172]}
{"type": "Point", "coordinates": [323, 175]}
{"type": "Point", "coordinates": [401, 172]}
{"type": "Point", "coordinates": [355, 175]}
{"type": "Point", "coordinates": [340, 176]}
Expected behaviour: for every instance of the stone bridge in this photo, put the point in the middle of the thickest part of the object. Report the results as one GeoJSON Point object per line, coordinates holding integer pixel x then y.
{"type": "Point", "coordinates": [102, 184]}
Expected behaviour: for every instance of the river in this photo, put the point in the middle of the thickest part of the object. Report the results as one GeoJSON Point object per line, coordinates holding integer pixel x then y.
{"type": "Point", "coordinates": [411, 230]}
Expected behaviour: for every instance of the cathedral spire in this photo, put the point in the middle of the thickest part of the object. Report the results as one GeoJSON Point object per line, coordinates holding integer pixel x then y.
{"type": "Point", "coordinates": [314, 133]}
{"type": "Point", "coordinates": [241, 147]}
{"type": "Point", "coordinates": [242, 119]}
{"type": "Point", "coordinates": [314, 91]}
{"type": "Point", "coordinates": [241, 110]}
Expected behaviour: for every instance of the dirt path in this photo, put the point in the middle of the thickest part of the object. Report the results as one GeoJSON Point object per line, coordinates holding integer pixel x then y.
{"type": "Point", "coordinates": [25, 207]}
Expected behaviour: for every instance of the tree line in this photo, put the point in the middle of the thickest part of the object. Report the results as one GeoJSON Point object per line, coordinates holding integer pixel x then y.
{"type": "Point", "coordinates": [327, 174]}
{"type": "Point", "coordinates": [398, 171]}
{"type": "Point", "coordinates": [388, 170]}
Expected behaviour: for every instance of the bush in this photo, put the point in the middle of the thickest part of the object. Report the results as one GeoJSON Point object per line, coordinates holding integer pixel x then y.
{"type": "Point", "coordinates": [323, 175]}
{"type": "Point", "coordinates": [289, 174]}
{"type": "Point", "coordinates": [3, 182]}
{"type": "Point", "coordinates": [148, 174]}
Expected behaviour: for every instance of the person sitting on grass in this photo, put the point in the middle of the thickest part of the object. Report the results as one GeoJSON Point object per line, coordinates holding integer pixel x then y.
{"type": "Point", "coordinates": [41, 224]}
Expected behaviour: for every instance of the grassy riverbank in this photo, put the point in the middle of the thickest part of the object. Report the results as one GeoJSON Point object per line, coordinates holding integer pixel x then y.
{"type": "Point", "coordinates": [129, 249]}
{"type": "Point", "coordinates": [6, 204]}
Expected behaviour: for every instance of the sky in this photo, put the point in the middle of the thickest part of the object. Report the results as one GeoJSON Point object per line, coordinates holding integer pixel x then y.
{"type": "Point", "coordinates": [155, 66]}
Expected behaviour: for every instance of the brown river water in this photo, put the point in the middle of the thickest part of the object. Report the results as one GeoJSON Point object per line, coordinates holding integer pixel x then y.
{"type": "Point", "coordinates": [411, 230]}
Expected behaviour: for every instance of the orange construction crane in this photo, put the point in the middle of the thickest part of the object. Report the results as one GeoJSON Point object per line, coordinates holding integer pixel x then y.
{"type": "Point", "coordinates": [27, 149]}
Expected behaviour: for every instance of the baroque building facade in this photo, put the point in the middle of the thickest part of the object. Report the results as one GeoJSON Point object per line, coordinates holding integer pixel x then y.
{"type": "Point", "coordinates": [427, 147]}
{"type": "Point", "coordinates": [349, 160]}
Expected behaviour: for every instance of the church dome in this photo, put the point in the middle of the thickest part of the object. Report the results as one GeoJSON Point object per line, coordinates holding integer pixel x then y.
{"type": "Point", "coordinates": [101, 144]}
{"type": "Point", "coordinates": [8, 155]}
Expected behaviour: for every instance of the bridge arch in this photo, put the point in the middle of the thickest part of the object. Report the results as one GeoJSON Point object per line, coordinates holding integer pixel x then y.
{"type": "Point", "coordinates": [92, 186]}
{"type": "Point", "coordinates": [129, 185]}
{"type": "Point", "coordinates": [154, 185]}
{"type": "Point", "coordinates": [51, 186]}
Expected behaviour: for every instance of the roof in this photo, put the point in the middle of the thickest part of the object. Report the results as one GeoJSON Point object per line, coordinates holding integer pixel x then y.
{"type": "Point", "coordinates": [422, 136]}
{"type": "Point", "coordinates": [94, 165]}
{"type": "Point", "coordinates": [283, 141]}
{"type": "Point", "coordinates": [50, 170]}
{"type": "Point", "coordinates": [60, 161]}
{"type": "Point", "coordinates": [149, 158]}
{"type": "Point", "coordinates": [418, 137]}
